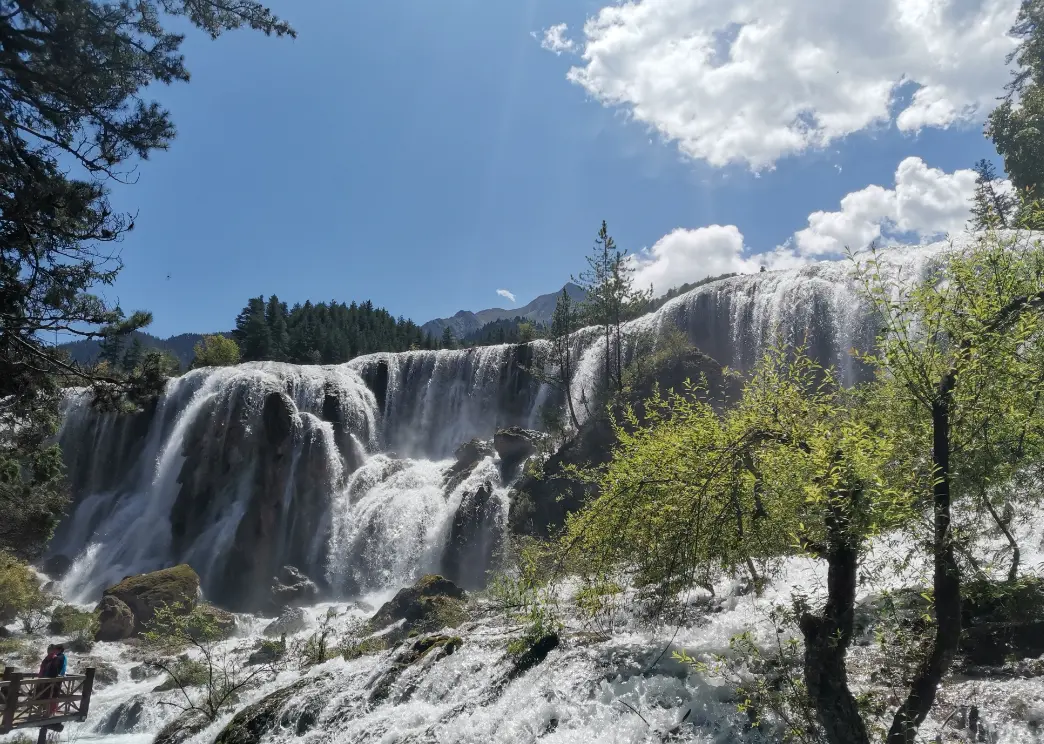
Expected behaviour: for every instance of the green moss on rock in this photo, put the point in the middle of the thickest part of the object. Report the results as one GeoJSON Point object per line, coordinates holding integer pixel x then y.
{"type": "Point", "coordinates": [146, 593]}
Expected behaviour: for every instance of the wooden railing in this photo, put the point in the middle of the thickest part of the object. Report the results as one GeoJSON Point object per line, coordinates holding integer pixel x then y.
{"type": "Point", "coordinates": [27, 700]}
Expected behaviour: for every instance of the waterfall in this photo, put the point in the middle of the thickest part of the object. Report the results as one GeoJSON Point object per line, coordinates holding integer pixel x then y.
{"type": "Point", "coordinates": [239, 471]}
{"type": "Point", "coordinates": [345, 471]}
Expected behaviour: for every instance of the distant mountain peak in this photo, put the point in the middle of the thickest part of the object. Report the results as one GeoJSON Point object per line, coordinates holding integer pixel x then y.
{"type": "Point", "coordinates": [464, 322]}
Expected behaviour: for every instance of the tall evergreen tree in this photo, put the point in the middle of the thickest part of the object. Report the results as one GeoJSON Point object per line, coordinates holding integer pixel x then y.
{"type": "Point", "coordinates": [563, 324]}
{"type": "Point", "coordinates": [75, 114]}
{"type": "Point", "coordinates": [279, 336]}
{"type": "Point", "coordinates": [252, 333]}
{"type": "Point", "coordinates": [992, 205]}
{"type": "Point", "coordinates": [448, 340]}
{"type": "Point", "coordinates": [611, 300]}
{"type": "Point", "coordinates": [1014, 126]}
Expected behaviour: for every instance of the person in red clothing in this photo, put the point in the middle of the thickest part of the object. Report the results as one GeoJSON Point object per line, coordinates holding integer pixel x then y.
{"type": "Point", "coordinates": [51, 667]}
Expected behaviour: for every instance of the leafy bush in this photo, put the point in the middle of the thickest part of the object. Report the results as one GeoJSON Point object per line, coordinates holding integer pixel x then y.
{"type": "Point", "coordinates": [19, 590]}
{"type": "Point", "coordinates": [213, 666]}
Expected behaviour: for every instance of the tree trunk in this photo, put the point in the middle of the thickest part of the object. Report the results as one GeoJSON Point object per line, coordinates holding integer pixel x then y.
{"type": "Point", "coordinates": [947, 584]}
{"type": "Point", "coordinates": [828, 637]}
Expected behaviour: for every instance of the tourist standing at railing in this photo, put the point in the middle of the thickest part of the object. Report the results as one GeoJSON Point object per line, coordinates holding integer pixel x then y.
{"type": "Point", "coordinates": [53, 665]}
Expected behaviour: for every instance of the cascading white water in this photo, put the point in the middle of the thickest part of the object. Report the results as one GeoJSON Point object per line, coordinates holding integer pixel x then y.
{"type": "Point", "coordinates": [193, 479]}
{"type": "Point", "coordinates": [224, 452]}
{"type": "Point", "coordinates": [314, 446]}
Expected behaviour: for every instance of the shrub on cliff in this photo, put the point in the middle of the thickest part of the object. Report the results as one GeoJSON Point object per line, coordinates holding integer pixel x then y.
{"type": "Point", "coordinates": [20, 594]}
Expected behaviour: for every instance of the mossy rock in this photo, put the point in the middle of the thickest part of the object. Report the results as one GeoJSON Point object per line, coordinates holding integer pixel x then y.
{"type": "Point", "coordinates": [115, 620]}
{"type": "Point", "coordinates": [432, 603]}
{"type": "Point", "coordinates": [144, 594]}
{"type": "Point", "coordinates": [365, 647]}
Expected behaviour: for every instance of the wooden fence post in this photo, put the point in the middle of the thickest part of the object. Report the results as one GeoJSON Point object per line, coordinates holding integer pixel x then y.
{"type": "Point", "coordinates": [88, 685]}
{"type": "Point", "coordinates": [14, 679]}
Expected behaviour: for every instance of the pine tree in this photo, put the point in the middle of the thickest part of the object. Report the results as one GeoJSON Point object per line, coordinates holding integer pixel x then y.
{"type": "Point", "coordinates": [448, 340]}
{"type": "Point", "coordinates": [992, 205]}
{"type": "Point", "coordinates": [611, 300]}
{"type": "Point", "coordinates": [279, 336]}
{"type": "Point", "coordinates": [251, 333]}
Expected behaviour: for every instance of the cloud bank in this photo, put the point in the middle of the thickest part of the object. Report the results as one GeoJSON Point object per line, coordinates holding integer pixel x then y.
{"type": "Point", "coordinates": [753, 81]}
{"type": "Point", "coordinates": [922, 204]}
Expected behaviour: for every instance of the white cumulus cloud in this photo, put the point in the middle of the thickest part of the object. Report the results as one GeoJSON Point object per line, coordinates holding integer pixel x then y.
{"type": "Point", "coordinates": [753, 81]}
{"type": "Point", "coordinates": [555, 40]}
{"type": "Point", "coordinates": [507, 294]}
{"type": "Point", "coordinates": [922, 202]}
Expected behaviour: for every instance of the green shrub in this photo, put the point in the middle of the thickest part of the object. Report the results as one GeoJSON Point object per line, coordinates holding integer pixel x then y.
{"type": "Point", "coordinates": [366, 647]}
{"type": "Point", "coordinates": [20, 592]}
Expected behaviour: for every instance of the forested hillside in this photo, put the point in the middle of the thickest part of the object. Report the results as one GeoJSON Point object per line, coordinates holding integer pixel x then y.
{"type": "Point", "coordinates": [321, 333]}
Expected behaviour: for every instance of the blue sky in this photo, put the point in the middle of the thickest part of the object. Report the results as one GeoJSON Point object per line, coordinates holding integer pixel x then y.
{"type": "Point", "coordinates": [424, 155]}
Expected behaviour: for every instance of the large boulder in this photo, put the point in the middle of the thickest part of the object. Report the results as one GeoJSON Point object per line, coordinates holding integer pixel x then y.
{"type": "Point", "coordinates": [291, 588]}
{"type": "Point", "coordinates": [146, 593]}
{"type": "Point", "coordinates": [475, 536]}
{"type": "Point", "coordinates": [432, 603]}
{"type": "Point", "coordinates": [291, 620]}
{"type": "Point", "coordinates": [514, 445]}
{"type": "Point", "coordinates": [115, 620]}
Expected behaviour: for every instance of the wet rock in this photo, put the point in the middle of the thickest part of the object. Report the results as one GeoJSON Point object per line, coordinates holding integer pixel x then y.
{"type": "Point", "coordinates": [57, 566]}
{"type": "Point", "coordinates": [993, 643]}
{"type": "Point", "coordinates": [143, 672]}
{"type": "Point", "coordinates": [4, 632]}
{"type": "Point", "coordinates": [515, 445]}
{"type": "Point", "coordinates": [533, 655]}
{"type": "Point", "coordinates": [432, 603]}
{"type": "Point", "coordinates": [182, 728]}
{"type": "Point", "coordinates": [270, 714]}
{"type": "Point", "coordinates": [146, 593]}
{"type": "Point", "coordinates": [468, 455]}
{"type": "Point", "coordinates": [475, 538]}
{"type": "Point", "coordinates": [105, 674]}
{"type": "Point", "coordinates": [123, 718]}
{"type": "Point", "coordinates": [292, 588]}
{"type": "Point", "coordinates": [267, 652]}
{"type": "Point", "coordinates": [115, 620]}
{"type": "Point", "coordinates": [434, 647]}
{"type": "Point", "coordinates": [291, 620]}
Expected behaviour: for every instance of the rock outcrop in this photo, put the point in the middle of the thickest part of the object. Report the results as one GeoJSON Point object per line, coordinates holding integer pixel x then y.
{"type": "Point", "coordinates": [146, 593]}
{"type": "Point", "coordinates": [514, 445]}
{"type": "Point", "coordinates": [57, 566]}
{"type": "Point", "coordinates": [542, 500]}
{"type": "Point", "coordinates": [475, 538]}
{"type": "Point", "coordinates": [115, 620]}
{"type": "Point", "coordinates": [292, 588]}
{"type": "Point", "coordinates": [291, 620]}
{"type": "Point", "coordinates": [432, 603]}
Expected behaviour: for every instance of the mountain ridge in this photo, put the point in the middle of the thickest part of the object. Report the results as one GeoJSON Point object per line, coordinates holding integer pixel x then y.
{"type": "Point", "coordinates": [538, 311]}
